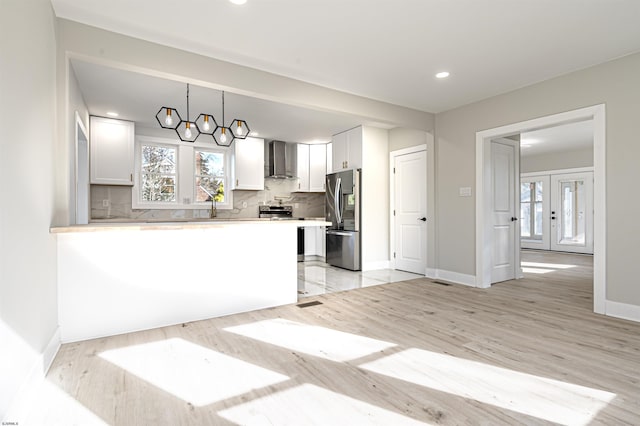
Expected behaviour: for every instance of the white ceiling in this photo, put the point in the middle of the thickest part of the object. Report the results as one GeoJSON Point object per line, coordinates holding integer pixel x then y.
{"type": "Point", "coordinates": [387, 50]}
{"type": "Point", "coordinates": [567, 137]}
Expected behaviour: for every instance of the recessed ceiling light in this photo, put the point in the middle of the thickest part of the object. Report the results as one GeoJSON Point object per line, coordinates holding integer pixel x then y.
{"type": "Point", "coordinates": [238, 1]}
{"type": "Point", "coordinates": [443, 74]}
{"type": "Point", "coordinates": [112, 114]}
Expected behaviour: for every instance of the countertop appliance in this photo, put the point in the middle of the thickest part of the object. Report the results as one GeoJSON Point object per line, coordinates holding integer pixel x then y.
{"type": "Point", "coordinates": [342, 209]}
{"type": "Point", "coordinates": [279, 212]}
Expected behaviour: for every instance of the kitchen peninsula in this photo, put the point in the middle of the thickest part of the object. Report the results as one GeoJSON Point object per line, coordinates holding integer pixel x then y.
{"type": "Point", "coordinates": [121, 277]}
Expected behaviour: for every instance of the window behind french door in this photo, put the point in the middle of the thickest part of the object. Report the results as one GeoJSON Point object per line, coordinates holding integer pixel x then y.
{"type": "Point", "coordinates": [556, 212]}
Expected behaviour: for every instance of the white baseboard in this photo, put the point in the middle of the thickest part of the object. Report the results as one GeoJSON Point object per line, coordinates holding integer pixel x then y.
{"type": "Point", "coordinates": [21, 403]}
{"type": "Point", "coordinates": [50, 351]}
{"type": "Point", "coordinates": [622, 310]}
{"type": "Point", "coordinates": [373, 266]}
{"type": "Point", "coordinates": [453, 277]}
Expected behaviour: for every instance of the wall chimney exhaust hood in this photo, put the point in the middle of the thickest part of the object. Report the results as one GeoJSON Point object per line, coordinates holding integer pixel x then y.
{"type": "Point", "coordinates": [282, 160]}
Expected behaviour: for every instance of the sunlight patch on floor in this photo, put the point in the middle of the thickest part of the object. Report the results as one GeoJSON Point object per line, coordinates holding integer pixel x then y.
{"type": "Point", "coordinates": [191, 372]}
{"type": "Point", "coordinates": [54, 407]}
{"type": "Point", "coordinates": [536, 270]}
{"type": "Point", "coordinates": [312, 340]}
{"type": "Point", "coordinates": [548, 265]}
{"type": "Point", "coordinates": [536, 396]}
{"type": "Point", "coordinates": [312, 405]}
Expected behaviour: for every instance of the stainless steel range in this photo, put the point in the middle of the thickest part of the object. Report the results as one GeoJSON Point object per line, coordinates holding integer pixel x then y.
{"type": "Point", "coordinates": [284, 213]}
{"type": "Point", "coordinates": [275, 212]}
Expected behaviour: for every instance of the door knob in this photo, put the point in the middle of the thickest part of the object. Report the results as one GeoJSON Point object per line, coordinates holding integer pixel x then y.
{"type": "Point", "coordinates": [513, 219]}
{"type": "Point", "coordinates": [424, 219]}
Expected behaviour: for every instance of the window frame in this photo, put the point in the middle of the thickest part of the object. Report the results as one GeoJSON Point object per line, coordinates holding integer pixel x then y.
{"type": "Point", "coordinates": [185, 175]}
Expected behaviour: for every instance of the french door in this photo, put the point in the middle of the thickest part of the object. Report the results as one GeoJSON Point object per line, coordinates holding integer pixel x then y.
{"type": "Point", "coordinates": [556, 212]}
{"type": "Point", "coordinates": [572, 212]}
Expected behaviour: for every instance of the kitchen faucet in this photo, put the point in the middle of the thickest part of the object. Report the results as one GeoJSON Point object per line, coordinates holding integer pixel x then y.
{"type": "Point", "coordinates": [214, 211]}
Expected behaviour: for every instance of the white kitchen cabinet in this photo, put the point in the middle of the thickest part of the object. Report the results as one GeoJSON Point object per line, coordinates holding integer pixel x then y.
{"type": "Point", "coordinates": [347, 149]}
{"type": "Point", "coordinates": [248, 164]}
{"type": "Point", "coordinates": [329, 158]}
{"type": "Point", "coordinates": [112, 151]}
{"type": "Point", "coordinates": [317, 167]}
{"type": "Point", "coordinates": [302, 167]}
{"type": "Point", "coordinates": [314, 241]}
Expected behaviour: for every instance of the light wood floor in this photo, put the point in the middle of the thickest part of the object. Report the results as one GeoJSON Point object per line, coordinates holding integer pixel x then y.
{"type": "Point", "coordinates": [536, 334]}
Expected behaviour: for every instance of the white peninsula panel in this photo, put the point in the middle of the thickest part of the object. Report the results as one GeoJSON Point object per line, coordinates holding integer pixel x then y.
{"type": "Point", "coordinates": [123, 279]}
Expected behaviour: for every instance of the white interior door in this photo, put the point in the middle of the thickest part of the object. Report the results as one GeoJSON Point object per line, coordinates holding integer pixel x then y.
{"type": "Point", "coordinates": [534, 212]}
{"type": "Point", "coordinates": [410, 207]}
{"type": "Point", "coordinates": [503, 185]}
{"type": "Point", "coordinates": [572, 212]}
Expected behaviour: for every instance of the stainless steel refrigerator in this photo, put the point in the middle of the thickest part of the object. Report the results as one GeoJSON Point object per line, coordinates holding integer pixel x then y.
{"type": "Point", "coordinates": [342, 209]}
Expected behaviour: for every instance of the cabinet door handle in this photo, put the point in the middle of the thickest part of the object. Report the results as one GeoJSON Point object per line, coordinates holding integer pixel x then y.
{"type": "Point", "coordinates": [131, 177]}
{"type": "Point", "coordinates": [237, 182]}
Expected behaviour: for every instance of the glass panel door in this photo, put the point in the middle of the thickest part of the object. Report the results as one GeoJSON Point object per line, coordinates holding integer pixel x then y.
{"type": "Point", "coordinates": [572, 212]}
{"type": "Point", "coordinates": [534, 205]}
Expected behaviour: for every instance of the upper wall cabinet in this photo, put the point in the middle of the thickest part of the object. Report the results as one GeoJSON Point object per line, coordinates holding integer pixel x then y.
{"type": "Point", "coordinates": [248, 164]}
{"type": "Point", "coordinates": [302, 167]}
{"type": "Point", "coordinates": [112, 151]}
{"type": "Point", "coordinates": [311, 167]}
{"type": "Point", "coordinates": [317, 167]}
{"type": "Point", "coordinates": [347, 149]}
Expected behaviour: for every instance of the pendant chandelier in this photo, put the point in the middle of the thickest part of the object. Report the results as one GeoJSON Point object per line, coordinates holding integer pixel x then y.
{"type": "Point", "coordinates": [188, 131]}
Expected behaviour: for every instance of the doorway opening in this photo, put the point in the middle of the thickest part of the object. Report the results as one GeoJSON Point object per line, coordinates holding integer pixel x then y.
{"type": "Point", "coordinates": [486, 241]}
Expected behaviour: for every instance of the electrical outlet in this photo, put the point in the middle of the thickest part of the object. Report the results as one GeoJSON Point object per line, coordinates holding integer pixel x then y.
{"type": "Point", "coordinates": [105, 203]}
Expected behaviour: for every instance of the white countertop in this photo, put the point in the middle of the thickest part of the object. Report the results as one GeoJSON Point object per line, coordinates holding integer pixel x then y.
{"type": "Point", "coordinates": [155, 225]}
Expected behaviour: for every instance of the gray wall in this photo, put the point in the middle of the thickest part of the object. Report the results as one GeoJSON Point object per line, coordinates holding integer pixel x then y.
{"type": "Point", "coordinates": [28, 293]}
{"type": "Point", "coordinates": [557, 160]}
{"type": "Point", "coordinates": [616, 84]}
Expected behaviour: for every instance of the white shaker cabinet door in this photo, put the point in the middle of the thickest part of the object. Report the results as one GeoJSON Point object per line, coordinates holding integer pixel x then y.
{"type": "Point", "coordinates": [248, 164]}
{"type": "Point", "coordinates": [302, 164]}
{"type": "Point", "coordinates": [112, 151]}
{"type": "Point", "coordinates": [317, 167]}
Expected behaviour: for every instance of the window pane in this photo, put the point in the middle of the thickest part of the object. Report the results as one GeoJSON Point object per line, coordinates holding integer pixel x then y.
{"type": "Point", "coordinates": [525, 191]}
{"type": "Point", "coordinates": [538, 221]}
{"type": "Point", "coordinates": [209, 176]}
{"type": "Point", "coordinates": [539, 189]}
{"type": "Point", "coordinates": [158, 159]}
{"type": "Point", "coordinates": [208, 187]}
{"type": "Point", "coordinates": [156, 187]}
{"type": "Point", "coordinates": [209, 163]}
{"type": "Point", "coordinates": [525, 220]}
{"type": "Point", "coordinates": [572, 218]}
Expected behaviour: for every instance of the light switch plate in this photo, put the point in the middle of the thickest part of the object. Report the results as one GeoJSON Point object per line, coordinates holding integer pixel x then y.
{"type": "Point", "coordinates": [465, 191]}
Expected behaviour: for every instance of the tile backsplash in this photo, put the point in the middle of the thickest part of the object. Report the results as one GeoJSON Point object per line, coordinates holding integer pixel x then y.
{"type": "Point", "coordinates": [114, 202]}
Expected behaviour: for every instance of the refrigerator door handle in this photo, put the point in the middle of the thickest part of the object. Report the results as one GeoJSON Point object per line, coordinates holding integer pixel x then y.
{"type": "Point", "coordinates": [338, 198]}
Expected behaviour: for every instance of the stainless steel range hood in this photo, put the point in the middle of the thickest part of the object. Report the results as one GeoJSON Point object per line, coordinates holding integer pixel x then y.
{"type": "Point", "coordinates": [281, 160]}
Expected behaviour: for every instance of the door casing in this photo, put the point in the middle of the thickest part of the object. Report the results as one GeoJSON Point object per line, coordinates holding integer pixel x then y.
{"type": "Point", "coordinates": [392, 236]}
{"type": "Point", "coordinates": [483, 178]}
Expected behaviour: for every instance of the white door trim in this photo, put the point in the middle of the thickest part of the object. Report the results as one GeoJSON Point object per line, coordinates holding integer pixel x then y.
{"type": "Point", "coordinates": [483, 237]}
{"type": "Point", "coordinates": [392, 194]}
{"type": "Point", "coordinates": [557, 172]}
{"type": "Point", "coordinates": [80, 162]}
